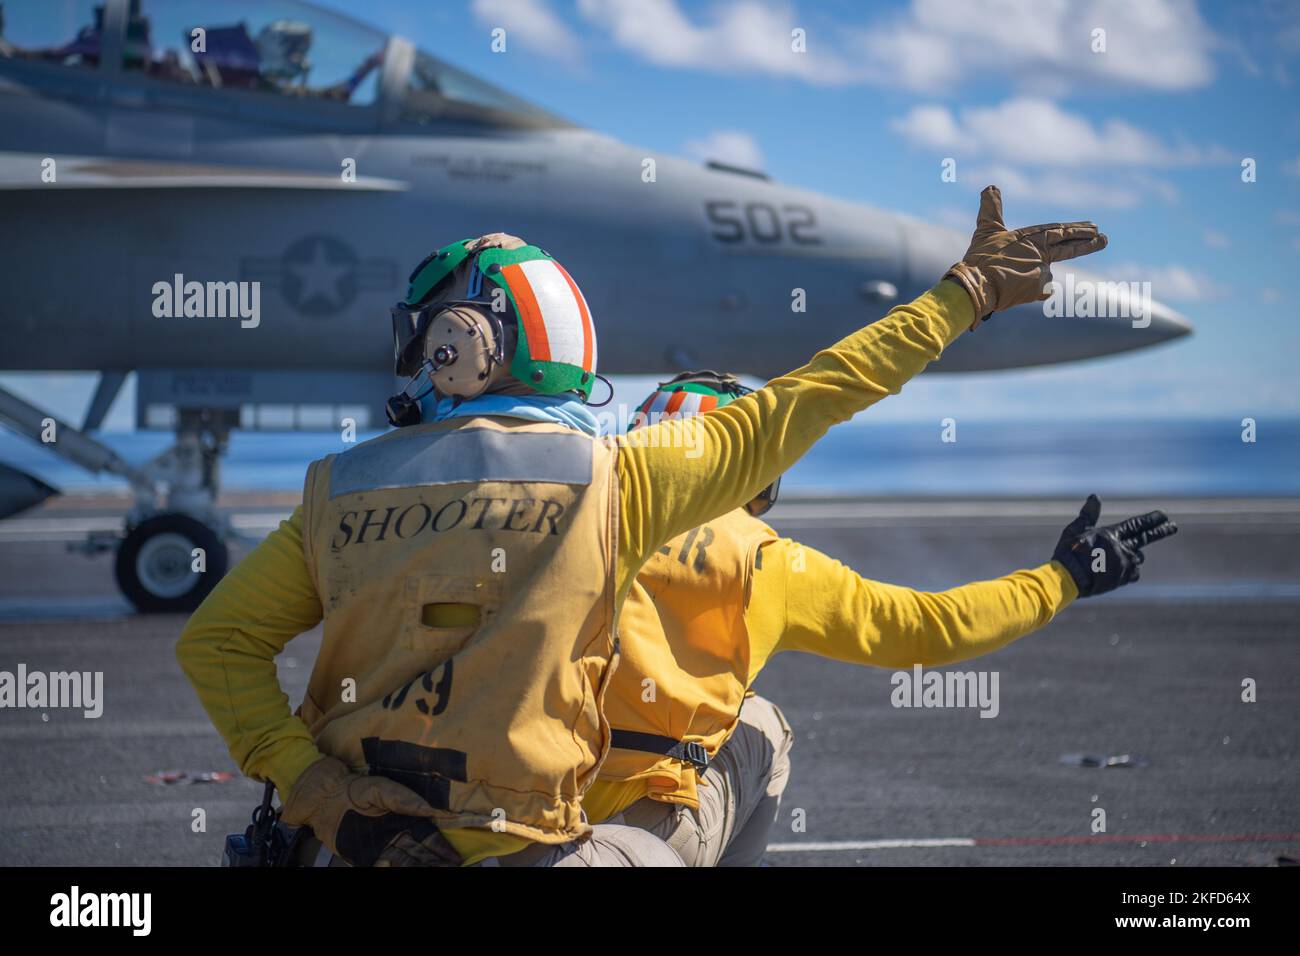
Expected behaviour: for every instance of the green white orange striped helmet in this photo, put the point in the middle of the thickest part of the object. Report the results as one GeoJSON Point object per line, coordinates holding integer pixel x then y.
{"type": "Point", "coordinates": [555, 345]}
{"type": "Point", "coordinates": [695, 393]}
{"type": "Point", "coordinates": [687, 395]}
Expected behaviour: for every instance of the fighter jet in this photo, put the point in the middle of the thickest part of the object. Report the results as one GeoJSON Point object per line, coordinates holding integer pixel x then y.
{"type": "Point", "coordinates": [225, 198]}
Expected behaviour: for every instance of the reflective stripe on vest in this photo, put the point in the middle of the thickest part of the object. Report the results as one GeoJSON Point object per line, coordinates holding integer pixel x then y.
{"type": "Point", "coordinates": [463, 456]}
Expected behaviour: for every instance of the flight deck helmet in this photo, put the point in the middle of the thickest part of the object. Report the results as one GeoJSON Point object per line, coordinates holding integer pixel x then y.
{"type": "Point", "coordinates": [696, 393]}
{"type": "Point", "coordinates": [480, 311]}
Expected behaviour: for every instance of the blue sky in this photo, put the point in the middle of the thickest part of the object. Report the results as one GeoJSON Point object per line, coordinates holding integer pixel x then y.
{"type": "Point", "coordinates": [1146, 137]}
{"type": "Point", "coordinates": [1160, 122]}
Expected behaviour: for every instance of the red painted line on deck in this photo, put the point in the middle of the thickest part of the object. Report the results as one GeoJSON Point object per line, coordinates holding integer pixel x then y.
{"type": "Point", "coordinates": [1139, 838]}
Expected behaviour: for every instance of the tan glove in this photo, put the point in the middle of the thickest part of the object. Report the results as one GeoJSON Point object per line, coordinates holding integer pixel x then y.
{"type": "Point", "coordinates": [495, 240]}
{"type": "Point", "coordinates": [1003, 267]}
{"type": "Point", "coordinates": [367, 820]}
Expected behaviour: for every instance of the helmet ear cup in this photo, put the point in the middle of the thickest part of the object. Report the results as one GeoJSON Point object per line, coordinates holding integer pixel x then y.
{"type": "Point", "coordinates": [465, 344]}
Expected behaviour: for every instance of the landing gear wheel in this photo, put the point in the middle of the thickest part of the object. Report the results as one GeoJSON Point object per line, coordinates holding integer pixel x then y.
{"type": "Point", "coordinates": [155, 563]}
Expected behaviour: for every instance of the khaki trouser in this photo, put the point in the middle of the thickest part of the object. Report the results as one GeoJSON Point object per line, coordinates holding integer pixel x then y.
{"type": "Point", "coordinates": [606, 845]}
{"type": "Point", "coordinates": [739, 800]}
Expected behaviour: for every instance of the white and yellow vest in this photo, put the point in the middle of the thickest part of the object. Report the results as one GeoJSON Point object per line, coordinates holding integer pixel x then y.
{"type": "Point", "coordinates": [512, 527]}
{"type": "Point", "coordinates": [684, 666]}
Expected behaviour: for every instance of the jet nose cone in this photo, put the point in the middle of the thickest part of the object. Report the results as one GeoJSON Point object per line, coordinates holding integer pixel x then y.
{"type": "Point", "coordinates": [1151, 321]}
{"type": "Point", "coordinates": [1085, 318]}
{"type": "Point", "coordinates": [1089, 315]}
{"type": "Point", "coordinates": [1167, 324]}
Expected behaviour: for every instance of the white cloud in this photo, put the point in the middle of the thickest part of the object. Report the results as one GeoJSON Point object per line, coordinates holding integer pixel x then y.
{"type": "Point", "coordinates": [739, 36]}
{"type": "Point", "coordinates": [1038, 151]}
{"type": "Point", "coordinates": [931, 126]}
{"type": "Point", "coordinates": [1173, 282]}
{"type": "Point", "coordinates": [1045, 46]}
{"type": "Point", "coordinates": [1215, 239]}
{"type": "Point", "coordinates": [1058, 189]}
{"type": "Point", "coordinates": [1042, 45]}
{"type": "Point", "coordinates": [732, 146]}
{"type": "Point", "coordinates": [933, 46]}
{"type": "Point", "coordinates": [955, 217]}
{"type": "Point", "coordinates": [1158, 186]}
{"type": "Point", "coordinates": [1037, 132]}
{"type": "Point", "coordinates": [530, 23]}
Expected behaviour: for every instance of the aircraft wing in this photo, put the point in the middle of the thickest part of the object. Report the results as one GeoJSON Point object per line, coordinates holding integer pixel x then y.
{"type": "Point", "coordinates": [25, 171]}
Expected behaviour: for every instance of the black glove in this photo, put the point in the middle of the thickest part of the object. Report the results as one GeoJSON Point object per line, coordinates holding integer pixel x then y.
{"type": "Point", "coordinates": [1120, 547]}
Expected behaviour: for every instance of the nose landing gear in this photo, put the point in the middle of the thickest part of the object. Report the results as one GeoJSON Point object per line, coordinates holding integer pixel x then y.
{"type": "Point", "coordinates": [170, 562]}
{"type": "Point", "coordinates": [172, 552]}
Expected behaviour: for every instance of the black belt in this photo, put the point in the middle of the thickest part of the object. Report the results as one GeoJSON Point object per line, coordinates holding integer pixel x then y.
{"type": "Point", "coordinates": [692, 752]}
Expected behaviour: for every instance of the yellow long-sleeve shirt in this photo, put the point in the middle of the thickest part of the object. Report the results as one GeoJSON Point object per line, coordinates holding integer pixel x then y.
{"type": "Point", "coordinates": [672, 477]}
{"type": "Point", "coordinates": [803, 600]}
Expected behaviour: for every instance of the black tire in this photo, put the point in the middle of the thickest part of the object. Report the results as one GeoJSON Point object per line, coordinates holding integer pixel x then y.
{"type": "Point", "coordinates": [154, 563]}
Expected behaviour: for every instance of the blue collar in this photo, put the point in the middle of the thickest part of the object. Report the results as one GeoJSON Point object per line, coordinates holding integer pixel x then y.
{"type": "Point", "coordinates": [557, 409]}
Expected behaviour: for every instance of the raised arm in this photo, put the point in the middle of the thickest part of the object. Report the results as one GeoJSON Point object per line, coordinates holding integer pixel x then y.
{"type": "Point", "coordinates": [678, 474]}
{"type": "Point", "coordinates": [804, 600]}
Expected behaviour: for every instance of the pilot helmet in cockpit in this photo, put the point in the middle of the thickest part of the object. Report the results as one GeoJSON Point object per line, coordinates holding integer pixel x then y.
{"type": "Point", "coordinates": [282, 47]}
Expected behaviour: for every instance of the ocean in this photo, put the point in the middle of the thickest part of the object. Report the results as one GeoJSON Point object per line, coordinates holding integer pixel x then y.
{"type": "Point", "coordinates": [1033, 459]}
